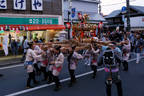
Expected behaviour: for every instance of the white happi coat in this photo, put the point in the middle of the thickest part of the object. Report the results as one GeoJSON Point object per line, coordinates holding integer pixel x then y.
{"type": "Point", "coordinates": [73, 60]}
{"type": "Point", "coordinates": [59, 60]}
{"type": "Point", "coordinates": [129, 44]}
{"type": "Point", "coordinates": [126, 55]}
{"type": "Point", "coordinates": [31, 55]}
{"type": "Point", "coordinates": [44, 59]}
{"type": "Point", "coordinates": [50, 57]}
{"type": "Point", "coordinates": [94, 55]}
{"type": "Point", "coordinates": [38, 51]}
{"type": "Point", "coordinates": [87, 53]}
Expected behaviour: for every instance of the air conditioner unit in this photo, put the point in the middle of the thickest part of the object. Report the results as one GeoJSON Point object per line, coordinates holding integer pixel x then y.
{"type": "Point", "coordinates": [7, 28]}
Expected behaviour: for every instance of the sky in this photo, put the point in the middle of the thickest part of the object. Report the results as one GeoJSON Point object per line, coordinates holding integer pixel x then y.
{"type": "Point", "coordinates": [108, 9]}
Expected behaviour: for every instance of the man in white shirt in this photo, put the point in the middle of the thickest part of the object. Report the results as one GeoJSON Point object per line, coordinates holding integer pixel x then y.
{"type": "Point", "coordinates": [25, 46]}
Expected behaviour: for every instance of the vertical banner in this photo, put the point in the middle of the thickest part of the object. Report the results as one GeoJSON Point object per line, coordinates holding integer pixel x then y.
{"type": "Point", "coordinates": [73, 12]}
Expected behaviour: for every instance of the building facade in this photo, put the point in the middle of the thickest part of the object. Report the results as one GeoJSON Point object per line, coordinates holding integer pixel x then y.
{"type": "Point", "coordinates": [89, 7]}
{"type": "Point", "coordinates": [116, 18]}
{"type": "Point", "coordinates": [84, 6]}
{"type": "Point", "coordinates": [31, 18]}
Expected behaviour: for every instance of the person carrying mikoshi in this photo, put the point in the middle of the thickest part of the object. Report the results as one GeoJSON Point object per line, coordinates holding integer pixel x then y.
{"type": "Point", "coordinates": [57, 65]}
{"type": "Point", "coordinates": [73, 58]}
{"type": "Point", "coordinates": [94, 53]}
{"type": "Point", "coordinates": [110, 58]}
{"type": "Point", "coordinates": [30, 56]}
{"type": "Point", "coordinates": [126, 53]}
{"type": "Point", "coordinates": [38, 51]}
{"type": "Point", "coordinates": [50, 56]}
{"type": "Point", "coordinates": [87, 55]}
{"type": "Point", "coordinates": [44, 62]}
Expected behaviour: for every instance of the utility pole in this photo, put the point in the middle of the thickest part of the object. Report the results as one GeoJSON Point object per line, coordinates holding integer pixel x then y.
{"type": "Point", "coordinates": [99, 7]}
{"type": "Point", "coordinates": [69, 12]}
{"type": "Point", "coordinates": [128, 16]}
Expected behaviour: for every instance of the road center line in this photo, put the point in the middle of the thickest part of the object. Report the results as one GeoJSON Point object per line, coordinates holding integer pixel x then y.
{"type": "Point", "coordinates": [63, 80]}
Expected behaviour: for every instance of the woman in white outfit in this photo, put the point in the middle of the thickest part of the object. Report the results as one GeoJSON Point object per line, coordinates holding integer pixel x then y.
{"type": "Point", "coordinates": [31, 55]}
{"type": "Point", "coordinates": [73, 58]}
{"type": "Point", "coordinates": [57, 66]}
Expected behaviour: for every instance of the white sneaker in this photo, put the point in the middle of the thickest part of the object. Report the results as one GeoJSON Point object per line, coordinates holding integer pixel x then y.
{"type": "Point", "coordinates": [137, 62]}
{"type": "Point", "coordinates": [85, 63]}
{"type": "Point", "coordinates": [88, 64]}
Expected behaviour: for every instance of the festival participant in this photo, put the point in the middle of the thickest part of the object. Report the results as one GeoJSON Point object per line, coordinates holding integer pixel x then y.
{"type": "Point", "coordinates": [126, 54]}
{"type": "Point", "coordinates": [58, 64]}
{"type": "Point", "coordinates": [94, 53]}
{"type": "Point", "coordinates": [109, 58]}
{"type": "Point", "coordinates": [38, 51]}
{"type": "Point", "coordinates": [133, 38]}
{"type": "Point", "coordinates": [87, 56]}
{"type": "Point", "coordinates": [50, 56]}
{"type": "Point", "coordinates": [112, 43]}
{"type": "Point", "coordinates": [31, 55]}
{"type": "Point", "coordinates": [44, 62]}
{"type": "Point", "coordinates": [126, 47]}
{"type": "Point", "coordinates": [138, 47]}
{"type": "Point", "coordinates": [73, 58]}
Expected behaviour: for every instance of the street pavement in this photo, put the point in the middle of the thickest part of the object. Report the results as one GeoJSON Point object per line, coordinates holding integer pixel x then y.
{"type": "Point", "coordinates": [13, 83]}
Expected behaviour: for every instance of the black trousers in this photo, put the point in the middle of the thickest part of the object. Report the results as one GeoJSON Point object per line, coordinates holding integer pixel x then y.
{"type": "Point", "coordinates": [119, 89]}
{"type": "Point", "coordinates": [94, 68]}
{"type": "Point", "coordinates": [132, 48]}
{"type": "Point", "coordinates": [125, 65]}
{"type": "Point", "coordinates": [24, 56]}
{"type": "Point", "coordinates": [43, 69]}
{"type": "Point", "coordinates": [50, 76]}
{"type": "Point", "coordinates": [72, 75]}
{"type": "Point", "coordinates": [31, 77]}
{"type": "Point", "coordinates": [57, 82]}
{"type": "Point", "coordinates": [37, 68]}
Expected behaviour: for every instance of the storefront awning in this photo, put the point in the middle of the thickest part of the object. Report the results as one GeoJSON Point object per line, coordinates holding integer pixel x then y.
{"type": "Point", "coordinates": [44, 27]}
{"type": "Point", "coordinates": [34, 27]}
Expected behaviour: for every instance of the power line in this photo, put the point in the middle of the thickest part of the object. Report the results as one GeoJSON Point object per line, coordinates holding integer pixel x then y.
{"type": "Point", "coordinates": [117, 3]}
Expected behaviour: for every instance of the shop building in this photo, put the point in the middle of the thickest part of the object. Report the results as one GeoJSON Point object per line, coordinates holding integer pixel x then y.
{"type": "Point", "coordinates": [31, 18]}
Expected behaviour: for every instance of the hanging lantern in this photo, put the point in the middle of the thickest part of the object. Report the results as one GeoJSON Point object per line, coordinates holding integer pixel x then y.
{"type": "Point", "coordinates": [68, 25]}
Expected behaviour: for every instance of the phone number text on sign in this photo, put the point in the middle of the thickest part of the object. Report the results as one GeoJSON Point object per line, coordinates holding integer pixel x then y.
{"type": "Point", "coordinates": [40, 21]}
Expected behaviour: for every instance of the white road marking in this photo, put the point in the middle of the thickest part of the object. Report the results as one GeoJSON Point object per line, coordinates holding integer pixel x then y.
{"type": "Point", "coordinates": [11, 67]}
{"type": "Point", "coordinates": [46, 85]}
{"type": "Point", "coordinates": [22, 64]}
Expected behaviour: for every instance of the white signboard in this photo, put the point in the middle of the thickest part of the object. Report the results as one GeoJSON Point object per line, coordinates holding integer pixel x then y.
{"type": "Point", "coordinates": [19, 4]}
{"type": "Point", "coordinates": [3, 4]}
{"type": "Point", "coordinates": [37, 5]}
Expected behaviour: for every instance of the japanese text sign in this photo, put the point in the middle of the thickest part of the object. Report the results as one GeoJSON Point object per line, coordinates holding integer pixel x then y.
{"type": "Point", "coordinates": [3, 4]}
{"type": "Point", "coordinates": [19, 4]}
{"type": "Point", "coordinates": [37, 5]}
